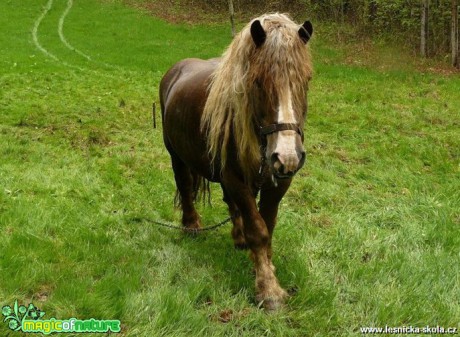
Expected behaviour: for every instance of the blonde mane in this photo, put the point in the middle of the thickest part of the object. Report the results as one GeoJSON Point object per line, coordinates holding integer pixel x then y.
{"type": "Point", "coordinates": [282, 60]}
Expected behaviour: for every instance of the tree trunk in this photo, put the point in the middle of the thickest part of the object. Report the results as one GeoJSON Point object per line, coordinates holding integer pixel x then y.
{"type": "Point", "coordinates": [454, 34]}
{"type": "Point", "coordinates": [232, 15]}
{"type": "Point", "coordinates": [424, 28]}
{"type": "Point", "coordinates": [373, 9]}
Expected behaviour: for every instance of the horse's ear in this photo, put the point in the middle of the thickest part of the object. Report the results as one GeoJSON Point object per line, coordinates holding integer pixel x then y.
{"type": "Point", "coordinates": [306, 31]}
{"type": "Point", "coordinates": [258, 33]}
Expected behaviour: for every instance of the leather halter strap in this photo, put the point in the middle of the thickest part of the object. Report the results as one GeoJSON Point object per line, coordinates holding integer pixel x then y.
{"type": "Point", "coordinates": [272, 128]}
{"type": "Point", "coordinates": [263, 132]}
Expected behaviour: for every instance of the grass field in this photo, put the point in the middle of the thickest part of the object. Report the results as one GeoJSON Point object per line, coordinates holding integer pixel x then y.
{"type": "Point", "coordinates": [369, 233]}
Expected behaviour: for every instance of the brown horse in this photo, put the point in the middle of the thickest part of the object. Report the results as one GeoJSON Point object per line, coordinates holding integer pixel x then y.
{"type": "Point", "coordinates": [238, 120]}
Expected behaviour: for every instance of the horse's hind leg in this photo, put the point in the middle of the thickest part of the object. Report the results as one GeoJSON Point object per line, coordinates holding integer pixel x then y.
{"type": "Point", "coordinates": [185, 186]}
{"type": "Point", "coordinates": [237, 230]}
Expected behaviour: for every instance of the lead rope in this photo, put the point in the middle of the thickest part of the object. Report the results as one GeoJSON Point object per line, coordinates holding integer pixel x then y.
{"type": "Point", "coordinates": [258, 185]}
{"type": "Point", "coordinates": [171, 225]}
{"type": "Point", "coordinates": [182, 228]}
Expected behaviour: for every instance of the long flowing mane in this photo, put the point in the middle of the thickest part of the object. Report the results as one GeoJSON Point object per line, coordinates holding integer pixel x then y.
{"type": "Point", "coordinates": [282, 60]}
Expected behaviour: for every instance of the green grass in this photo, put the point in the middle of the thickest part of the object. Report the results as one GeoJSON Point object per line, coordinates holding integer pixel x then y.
{"type": "Point", "coordinates": [368, 233]}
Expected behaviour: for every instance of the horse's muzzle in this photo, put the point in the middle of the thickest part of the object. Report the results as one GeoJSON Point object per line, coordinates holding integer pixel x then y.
{"type": "Point", "coordinates": [286, 166]}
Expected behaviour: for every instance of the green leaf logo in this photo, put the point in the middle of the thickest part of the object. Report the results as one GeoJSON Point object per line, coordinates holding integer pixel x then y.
{"type": "Point", "coordinates": [6, 310]}
{"type": "Point", "coordinates": [16, 315]}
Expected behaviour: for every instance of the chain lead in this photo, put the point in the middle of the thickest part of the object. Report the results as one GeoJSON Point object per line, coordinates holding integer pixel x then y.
{"type": "Point", "coordinates": [185, 229]}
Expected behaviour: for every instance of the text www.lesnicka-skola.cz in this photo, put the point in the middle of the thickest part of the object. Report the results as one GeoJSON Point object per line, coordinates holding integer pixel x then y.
{"type": "Point", "coordinates": [426, 330]}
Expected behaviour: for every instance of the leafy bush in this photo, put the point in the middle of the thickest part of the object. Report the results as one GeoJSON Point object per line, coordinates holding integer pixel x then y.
{"type": "Point", "coordinates": [397, 20]}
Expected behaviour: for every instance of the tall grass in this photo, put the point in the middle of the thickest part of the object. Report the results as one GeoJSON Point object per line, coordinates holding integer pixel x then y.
{"type": "Point", "coordinates": [368, 235]}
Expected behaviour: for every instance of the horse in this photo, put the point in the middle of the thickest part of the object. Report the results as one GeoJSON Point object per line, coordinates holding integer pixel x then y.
{"type": "Point", "coordinates": [238, 120]}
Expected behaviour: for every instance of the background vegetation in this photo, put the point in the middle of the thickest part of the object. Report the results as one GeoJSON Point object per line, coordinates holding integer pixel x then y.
{"type": "Point", "coordinates": [396, 21]}
{"type": "Point", "coordinates": [368, 234]}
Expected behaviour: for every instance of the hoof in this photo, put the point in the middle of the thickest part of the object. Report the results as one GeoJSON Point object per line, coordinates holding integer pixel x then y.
{"type": "Point", "coordinates": [241, 245]}
{"type": "Point", "coordinates": [272, 302]}
{"type": "Point", "coordinates": [192, 227]}
{"type": "Point", "coordinates": [238, 239]}
{"type": "Point", "coordinates": [191, 231]}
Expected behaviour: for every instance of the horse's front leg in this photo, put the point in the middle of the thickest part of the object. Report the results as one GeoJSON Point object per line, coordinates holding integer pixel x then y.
{"type": "Point", "coordinates": [237, 220]}
{"type": "Point", "coordinates": [257, 236]}
{"type": "Point", "coordinates": [270, 198]}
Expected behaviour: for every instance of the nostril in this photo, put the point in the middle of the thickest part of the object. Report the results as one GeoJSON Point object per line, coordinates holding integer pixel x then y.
{"type": "Point", "coordinates": [285, 166]}
{"type": "Point", "coordinates": [303, 156]}
{"type": "Point", "coordinates": [276, 162]}
{"type": "Point", "coordinates": [275, 157]}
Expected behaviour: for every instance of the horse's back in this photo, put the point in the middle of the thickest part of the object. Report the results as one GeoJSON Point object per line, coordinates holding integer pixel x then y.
{"type": "Point", "coordinates": [183, 94]}
{"type": "Point", "coordinates": [188, 74]}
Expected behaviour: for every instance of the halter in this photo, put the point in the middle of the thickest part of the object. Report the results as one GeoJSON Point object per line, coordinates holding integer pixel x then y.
{"type": "Point", "coordinates": [272, 128]}
{"type": "Point", "coordinates": [263, 132]}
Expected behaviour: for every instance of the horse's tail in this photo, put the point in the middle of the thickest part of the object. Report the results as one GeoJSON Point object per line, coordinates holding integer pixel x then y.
{"type": "Point", "coordinates": [201, 191]}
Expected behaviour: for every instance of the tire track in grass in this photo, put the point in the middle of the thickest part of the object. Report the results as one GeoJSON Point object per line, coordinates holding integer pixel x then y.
{"type": "Point", "coordinates": [50, 55]}
{"type": "Point", "coordinates": [37, 43]}
{"type": "Point", "coordinates": [35, 32]}
{"type": "Point", "coordinates": [71, 47]}
{"type": "Point", "coordinates": [61, 32]}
